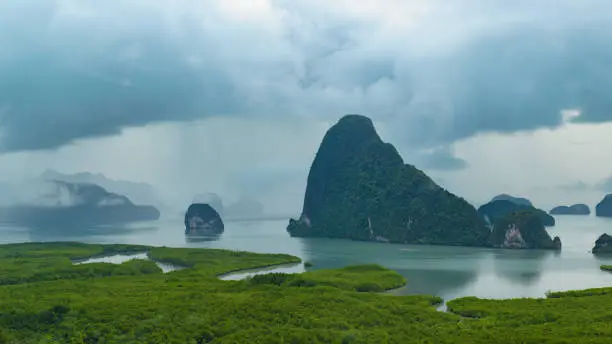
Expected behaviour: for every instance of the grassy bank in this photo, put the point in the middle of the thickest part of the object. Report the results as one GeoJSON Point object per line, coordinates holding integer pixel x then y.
{"type": "Point", "coordinates": [52, 301]}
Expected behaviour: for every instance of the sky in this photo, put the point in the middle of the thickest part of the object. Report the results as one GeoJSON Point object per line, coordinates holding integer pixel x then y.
{"type": "Point", "coordinates": [233, 97]}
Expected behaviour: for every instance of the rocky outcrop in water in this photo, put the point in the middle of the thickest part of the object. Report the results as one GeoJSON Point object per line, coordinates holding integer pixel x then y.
{"type": "Point", "coordinates": [522, 230]}
{"type": "Point", "coordinates": [603, 244]}
{"type": "Point", "coordinates": [202, 219]}
{"type": "Point", "coordinates": [359, 188]}
{"type": "Point", "coordinates": [576, 209]}
{"type": "Point", "coordinates": [496, 210]}
{"type": "Point", "coordinates": [604, 208]}
{"type": "Point", "coordinates": [70, 204]}
{"type": "Point", "coordinates": [516, 200]}
{"type": "Point", "coordinates": [557, 243]}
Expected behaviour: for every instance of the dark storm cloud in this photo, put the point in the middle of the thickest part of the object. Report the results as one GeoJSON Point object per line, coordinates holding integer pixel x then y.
{"type": "Point", "coordinates": [64, 81]}
{"type": "Point", "coordinates": [515, 80]}
{"type": "Point", "coordinates": [436, 72]}
{"type": "Point", "coordinates": [520, 82]}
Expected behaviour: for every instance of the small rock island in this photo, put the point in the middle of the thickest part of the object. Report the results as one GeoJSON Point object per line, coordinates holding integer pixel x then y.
{"type": "Point", "coordinates": [203, 219]}
{"type": "Point", "coordinates": [360, 188]}
{"type": "Point", "coordinates": [498, 209]}
{"type": "Point", "coordinates": [523, 229]}
{"type": "Point", "coordinates": [603, 245]}
{"type": "Point", "coordinates": [576, 209]}
{"type": "Point", "coordinates": [604, 208]}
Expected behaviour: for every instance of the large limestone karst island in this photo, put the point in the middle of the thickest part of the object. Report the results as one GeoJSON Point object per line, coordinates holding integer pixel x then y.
{"type": "Point", "coordinates": [359, 188]}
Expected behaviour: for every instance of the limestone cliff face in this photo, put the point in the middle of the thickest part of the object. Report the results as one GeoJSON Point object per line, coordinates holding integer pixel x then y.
{"type": "Point", "coordinates": [359, 188]}
{"type": "Point", "coordinates": [513, 238]}
{"type": "Point", "coordinates": [522, 230]}
{"type": "Point", "coordinates": [203, 219]}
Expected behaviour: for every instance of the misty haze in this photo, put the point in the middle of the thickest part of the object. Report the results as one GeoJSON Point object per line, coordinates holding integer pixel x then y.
{"type": "Point", "coordinates": [273, 171]}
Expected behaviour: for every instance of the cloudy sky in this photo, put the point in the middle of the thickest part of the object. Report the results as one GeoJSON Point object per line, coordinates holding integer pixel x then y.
{"type": "Point", "coordinates": [234, 96]}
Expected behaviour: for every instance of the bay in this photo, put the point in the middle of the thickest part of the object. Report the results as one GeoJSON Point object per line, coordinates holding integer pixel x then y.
{"type": "Point", "coordinates": [448, 272]}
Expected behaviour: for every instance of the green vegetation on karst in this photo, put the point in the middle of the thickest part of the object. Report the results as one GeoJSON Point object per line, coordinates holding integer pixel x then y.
{"type": "Point", "coordinates": [360, 188]}
{"type": "Point", "coordinates": [326, 306]}
{"type": "Point", "coordinates": [497, 210]}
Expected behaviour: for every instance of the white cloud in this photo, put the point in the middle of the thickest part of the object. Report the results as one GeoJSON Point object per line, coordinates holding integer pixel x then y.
{"type": "Point", "coordinates": [437, 76]}
{"type": "Point", "coordinates": [538, 165]}
{"type": "Point", "coordinates": [460, 67]}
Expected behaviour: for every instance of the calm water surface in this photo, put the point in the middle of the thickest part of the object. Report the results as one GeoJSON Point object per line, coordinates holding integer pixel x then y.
{"type": "Point", "coordinates": [122, 258]}
{"type": "Point", "coordinates": [448, 272]}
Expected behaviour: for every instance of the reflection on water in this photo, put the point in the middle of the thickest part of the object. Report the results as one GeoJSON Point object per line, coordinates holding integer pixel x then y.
{"type": "Point", "coordinates": [114, 259]}
{"type": "Point", "coordinates": [521, 267]}
{"type": "Point", "coordinates": [286, 268]}
{"type": "Point", "coordinates": [436, 281]}
{"type": "Point", "coordinates": [195, 238]}
{"type": "Point", "coordinates": [122, 258]}
{"type": "Point", "coordinates": [79, 233]}
{"type": "Point", "coordinates": [448, 272]}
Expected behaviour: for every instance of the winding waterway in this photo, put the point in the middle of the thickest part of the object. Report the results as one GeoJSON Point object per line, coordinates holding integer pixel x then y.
{"type": "Point", "coordinates": [122, 258]}
{"type": "Point", "coordinates": [448, 272]}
